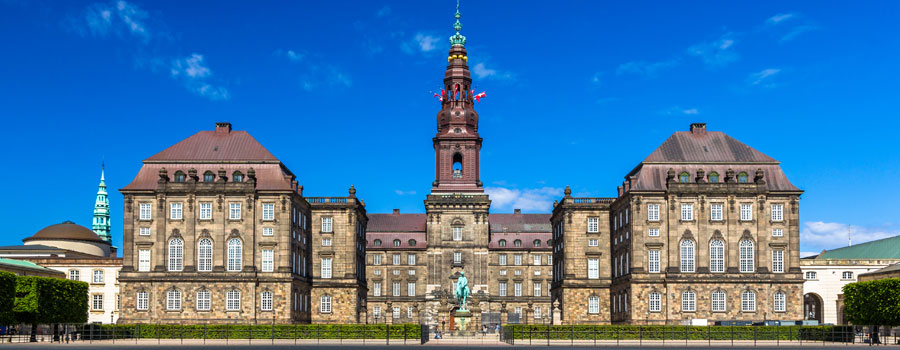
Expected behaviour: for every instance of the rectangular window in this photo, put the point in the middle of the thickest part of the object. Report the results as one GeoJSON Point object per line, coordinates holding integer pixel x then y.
{"type": "Point", "coordinates": [326, 267]}
{"type": "Point", "coordinates": [537, 289]}
{"type": "Point", "coordinates": [268, 231]}
{"type": "Point", "coordinates": [411, 289]}
{"type": "Point", "coordinates": [410, 259]}
{"type": "Point", "coordinates": [536, 260]}
{"type": "Point", "coordinates": [144, 231]}
{"type": "Point", "coordinates": [810, 275]}
{"type": "Point", "coordinates": [175, 211]}
{"type": "Point", "coordinates": [777, 232]}
{"type": "Point", "coordinates": [326, 241]}
{"type": "Point", "coordinates": [395, 313]}
{"type": "Point", "coordinates": [593, 243]}
{"type": "Point", "coordinates": [687, 212]}
{"type": "Point", "coordinates": [593, 304]}
{"type": "Point", "coordinates": [143, 300]}
{"type": "Point", "coordinates": [144, 260]}
{"type": "Point", "coordinates": [98, 276]}
{"type": "Point", "coordinates": [593, 268]}
{"type": "Point", "coordinates": [376, 259]}
{"type": "Point", "coordinates": [326, 224]}
{"type": "Point", "coordinates": [376, 311]}
{"type": "Point", "coordinates": [715, 212]}
{"type": "Point", "coordinates": [779, 302]}
{"type": "Point", "coordinates": [268, 260]}
{"type": "Point", "coordinates": [688, 302]}
{"type": "Point", "coordinates": [778, 261]}
{"type": "Point", "coordinates": [655, 302]}
{"type": "Point", "coordinates": [846, 275]}
{"type": "Point", "coordinates": [537, 312]}
{"type": "Point", "coordinates": [75, 275]}
{"type": "Point", "coordinates": [205, 210]}
{"type": "Point", "coordinates": [457, 233]}
{"type": "Point", "coordinates": [457, 257]}
{"type": "Point", "coordinates": [653, 266]}
{"type": "Point", "coordinates": [502, 289]}
{"type": "Point", "coordinates": [653, 232]}
{"type": "Point", "coordinates": [204, 298]}
{"type": "Point", "coordinates": [746, 212]}
{"type": "Point", "coordinates": [409, 312]}
{"type": "Point", "coordinates": [777, 212]}
{"type": "Point", "coordinates": [748, 301]}
{"type": "Point", "coordinates": [268, 211]}
{"type": "Point", "coordinates": [234, 211]}
{"type": "Point", "coordinates": [517, 289]}
{"type": "Point", "coordinates": [718, 301]}
{"type": "Point", "coordinates": [395, 289]}
{"type": "Point", "coordinates": [502, 258]}
{"type": "Point", "coordinates": [376, 289]}
{"type": "Point", "coordinates": [593, 224]}
{"type": "Point", "coordinates": [517, 259]}
{"type": "Point", "coordinates": [653, 212]}
{"type": "Point", "coordinates": [266, 301]}
{"type": "Point", "coordinates": [146, 211]}
{"type": "Point", "coordinates": [396, 259]}
{"type": "Point", "coordinates": [325, 304]}
{"type": "Point", "coordinates": [97, 302]}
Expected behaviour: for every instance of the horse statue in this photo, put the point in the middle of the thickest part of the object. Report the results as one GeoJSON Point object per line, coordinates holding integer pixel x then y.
{"type": "Point", "coordinates": [462, 291]}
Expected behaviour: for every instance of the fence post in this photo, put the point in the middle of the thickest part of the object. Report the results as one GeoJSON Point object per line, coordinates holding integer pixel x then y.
{"type": "Point", "coordinates": [341, 333]}
{"type": "Point", "coordinates": [778, 333]}
{"type": "Point", "coordinates": [181, 333]}
{"type": "Point", "coordinates": [754, 336]}
{"type": "Point", "coordinates": [157, 333]}
{"type": "Point", "coordinates": [387, 333]}
{"type": "Point", "coordinates": [273, 329]}
{"type": "Point", "coordinates": [708, 336]}
{"type": "Point", "coordinates": [572, 335]}
{"type": "Point", "coordinates": [686, 335]}
{"type": "Point", "coordinates": [732, 334]}
{"type": "Point", "coordinates": [640, 335]}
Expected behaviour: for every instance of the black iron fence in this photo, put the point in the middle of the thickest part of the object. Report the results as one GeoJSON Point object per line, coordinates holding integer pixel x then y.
{"type": "Point", "coordinates": [67, 333]}
{"type": "Point", "coordinates": [743, 335]}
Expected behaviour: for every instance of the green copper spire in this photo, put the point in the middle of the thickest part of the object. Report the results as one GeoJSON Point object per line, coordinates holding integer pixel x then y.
{"type": "Point", "coordinates": [457, 39]}
{"type": "Point", "coordinates": [101, 209]}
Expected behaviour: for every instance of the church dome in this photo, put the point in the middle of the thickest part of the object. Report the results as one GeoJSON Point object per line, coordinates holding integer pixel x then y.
{"type": "Point", "coordinates": [66, 231]}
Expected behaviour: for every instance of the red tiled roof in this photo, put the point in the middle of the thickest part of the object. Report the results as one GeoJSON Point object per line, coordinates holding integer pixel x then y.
{"type": "Point", "coordinates": [387, 240]}
{"type": "Point", "coordinates": [268, 176]}
{"type": "Point", "coordinates": [520, 222]}
{"type": "Point", "coordinates": [526, 238]}
{"type": "Point", "coordinates": [216, 146]}
{"type": "Point", "coordinates": [652, 177]}
{"type": "Point", "coordinates": [709, 146]}
{"type": "Point", "coordinates": [396, 222]}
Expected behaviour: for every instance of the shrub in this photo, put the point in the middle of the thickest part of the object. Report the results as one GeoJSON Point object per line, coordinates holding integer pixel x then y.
{"type": "Point", "coordinates": [50, 300]}
{"type": "Point", "coordinates": [873, 302]}
{"type": "Point", "coordinates": [658, 332]}
{"type": "Point", "coordinates": [237, 331]}
{"type": "Point", "coordinates": [7, 297]}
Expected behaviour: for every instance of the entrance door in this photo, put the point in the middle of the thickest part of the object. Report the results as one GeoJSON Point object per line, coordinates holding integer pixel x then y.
{"type": "Point", "coordinates": [812, 307]}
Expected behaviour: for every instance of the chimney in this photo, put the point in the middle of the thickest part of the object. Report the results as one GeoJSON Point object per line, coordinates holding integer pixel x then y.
{"type": "Point", "coordinates": [698, 128]}
{"type": "Point", "coordinates": [223, 128]}
{"type": "Point", "coordinates": [517, 211]}
{"type": "Point", "coordinates": [396, 211]}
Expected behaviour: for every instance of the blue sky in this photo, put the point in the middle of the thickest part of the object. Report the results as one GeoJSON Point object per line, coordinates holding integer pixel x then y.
{"type": "Point", "coordinates": [577, 94]}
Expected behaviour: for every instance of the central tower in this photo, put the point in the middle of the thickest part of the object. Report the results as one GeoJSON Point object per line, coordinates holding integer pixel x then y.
{"type": "Point", "coordinates": [457, 146]}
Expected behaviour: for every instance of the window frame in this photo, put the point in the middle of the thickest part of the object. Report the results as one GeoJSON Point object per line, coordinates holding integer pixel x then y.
{"type": "Point", "coordinates": [205, 210]}
{"type": "Point", "coordinates": [653, 265]}
{"type": "Point", "coordinates": [593, 224]}
{"type": "Point", "coordinates": [716, 256]}
{"type": "Point", "coordinates": [175, 256]}
{"type": "Point", "coordinates": [204, 300]}
{"type": "Point", "coordinates": [653, 212]}
{"type": "Point", "coordinates": [176, 211]}
{"type": "Point", "coordinates": [746, 256]}
{"type": "Point", "coordinates": [268, 211]}
{"type": "Point", "coordinates": [266, 301]}
{"type": "Point", "coordinates": [688, 264]}
{"type": "Point", "coordinates": [235, 255]}
{"type": "Point", "coordinates": [325, 268]}
{"type": "Point", "coordinates": [748, 301]}
{"type": "Point", "coordinates": [687, 211]}
{"type": "Point", "coordinates": [233, 300]}
{"type": "Point", "coordinates": [688, 301]}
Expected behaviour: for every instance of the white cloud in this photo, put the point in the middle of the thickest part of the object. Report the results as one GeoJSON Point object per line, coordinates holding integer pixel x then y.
{"type": "Point", "coordinates": [819, 235]}
{"type": "Point", "coordinates": [404, 193]}
{"type": "Point", "coordinates": [796, 31]}
{"type": "Point", "coordinates": [717, 52]}
{"type": "Point", "coordinates": [483, 72]}
{"type": "Point", "coordinates": [676, 110]}
{"type": "Point", "coordinates": [763, 77]}
{"type": "Point", "coordinates": [426, 43]}
{"type": "Point", "coordinates": [384, 11]}
{"type": "Point", "coordinates": [529, 199]}
{"type": "Point", "coordinates": [294, 56]}
{"type": "Point", "coordinates": [317, 76]}
{"type": "Point", "coordinates": [193, 73]}
{"type": "Point", "coordinates": [647, 69]}
{"type": "Point", "coordinates": [118, 18]}
{"type": "Point", "coordinates": [691, 111]}
{"type": "Point", "coordinates": [781, 17]}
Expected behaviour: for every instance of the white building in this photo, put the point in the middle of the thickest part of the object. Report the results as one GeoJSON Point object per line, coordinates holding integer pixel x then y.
{"type": "Point", "coordinates": [827, 273]}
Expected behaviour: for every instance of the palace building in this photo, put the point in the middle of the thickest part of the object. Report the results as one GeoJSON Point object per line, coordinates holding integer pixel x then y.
{"type": "Point", "coordinates": [217, 229]}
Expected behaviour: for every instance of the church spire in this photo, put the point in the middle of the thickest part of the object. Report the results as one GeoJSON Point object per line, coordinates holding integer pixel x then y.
{"type": "Point", "coordinates": [101, 209]}
{"type": "Point", "coordinates": [457, 39]}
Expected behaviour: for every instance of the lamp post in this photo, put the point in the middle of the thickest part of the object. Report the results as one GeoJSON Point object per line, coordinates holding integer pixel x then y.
{"type": "Point", "coordinates": [647, 315]}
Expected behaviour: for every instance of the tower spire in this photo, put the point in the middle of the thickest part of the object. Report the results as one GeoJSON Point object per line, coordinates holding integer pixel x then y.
{"type": "Point", "coordinates": [101, 225]}
{"type": "Point", "coordinates": [457, 39]}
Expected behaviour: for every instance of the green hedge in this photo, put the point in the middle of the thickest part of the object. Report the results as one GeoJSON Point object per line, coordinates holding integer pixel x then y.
{"type": "Point", "coordinates": [7, 297]}
{"type": "Point", "coordinates": [873, 302]}
{"type": "Point", "coordinates": [623, 332]}
{"type": "Point", "coordinates": [46, 300]}
{"type": "Point", "coordinates": [300, 331]}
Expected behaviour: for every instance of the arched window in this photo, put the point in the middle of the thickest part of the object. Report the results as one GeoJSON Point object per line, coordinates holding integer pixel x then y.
{"type": "Point", "coordinates": [235, 254]}
{"type": "Point", "coordinates": [208, 176]}
{"type": "Point", "coordinates": [377, 242]}
{"type": "Point", "coordinates": [688, 301]}
{"type": "Point", "coordinates": [746, 255]}
{"type": "Point", "coordinates": [173, 299]}
{"type": "Point", "coordinates": [176, 254]}
{"type": "Point", "coordinates": [502, 243]}
{"type": "Point", "coordinates": [237, 177]}
{"type": "Point", "coordinates": [204, 300]}
{"type": "Point", "coordinates": [204, 255]}
{"type": "Point", "coordinates": [713, 177]}
{"type": "Point", "coordinates": [233, 300]}
{"type": "Point", "coordinates": [684, 177]}
{"type": "Point", "coordinates": [687, 256]}
{"type": "Point", "coordinates": [549, 242]}
{"type": "Point", "coordinates": [265, 301]}
{"type": "Point", "coordinates": [537, 243]}
{"type": "Point", "coordinates": [593, 304]}
{"type": "Point", "coordinates": [396, 242]}
{"type": "Point", "coordinates": [179, 176]}
{"type": "Point", "coordinates": [742, 177]}
{"type": "Point", "coordinates": [716, 256]}
{"type": "Point", "coordinates": [517, 243]}
{"type": "Point", "coordinates": [748, 301]}
{"type": "Point", "coordinates": [412, 243]}
{"type": "Point", "coordinates": [779, 300]}
{"type": "Point", "coordinates": [325, 304]}
{"type": "Point", "coordinates": [457, 166]}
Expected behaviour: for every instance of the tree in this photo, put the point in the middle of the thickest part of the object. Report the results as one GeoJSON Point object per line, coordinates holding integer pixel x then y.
{"type": "Point", "coordinates": [874, 303]}
{"type": "Point", "coordinates": [7, 298]}
{"type": "Point", "coordinates": [45, 300]}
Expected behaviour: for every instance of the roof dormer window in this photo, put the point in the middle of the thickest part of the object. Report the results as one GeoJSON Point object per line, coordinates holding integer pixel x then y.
{"type": "Point", "coordinates": [237, 177]}
{"type": "Point", "coordinates": [208, 176]}
{"type": "Point", "coordinates": [742, 177]}
{"type": "Point", "coordinates": [179, 176]}
{"type": "Point", "coordinates": [502, 243]}
{"type": "Point", "coordinates": [684, 177]}
{"type": "Point", "coordinates": [713, 177]}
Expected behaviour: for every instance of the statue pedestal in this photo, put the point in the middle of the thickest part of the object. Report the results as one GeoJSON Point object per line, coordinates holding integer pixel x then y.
{"type": "Point", "coordinates": [462, 320]}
